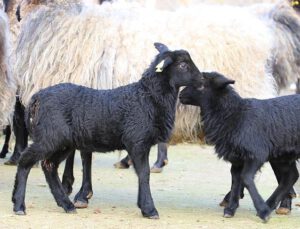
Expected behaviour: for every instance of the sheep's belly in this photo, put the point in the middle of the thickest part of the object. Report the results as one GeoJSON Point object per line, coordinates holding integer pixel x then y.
{"type": "Point", "coordinates": [286, 157]}
{"type": "Point", "coordinates": [100, 146]}
{"type": "Point", "coordinates": [100, 149]}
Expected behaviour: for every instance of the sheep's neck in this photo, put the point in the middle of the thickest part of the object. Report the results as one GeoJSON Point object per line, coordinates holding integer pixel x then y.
{"type": "Point", "coordinates": [163, 97]}
{"type": "Point", "coordinates": [162, 93]}
{"type": "Point", "coordinates": [221, 113]}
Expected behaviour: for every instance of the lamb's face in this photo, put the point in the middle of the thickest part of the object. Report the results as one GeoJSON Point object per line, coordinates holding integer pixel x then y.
{"type": "Point", "coordinates": [216, 81]}
{"type": "Point", "coordinates": [213, 85]}
{"type": "Point", "coordinates": [183, 71]}
{"type": "Point", "coordinates": [178, 67]}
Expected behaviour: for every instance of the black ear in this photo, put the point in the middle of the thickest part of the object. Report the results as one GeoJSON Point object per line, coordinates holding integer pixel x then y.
{"type": "Point", "coordinates": [163, 63]}
{"type": "Point", "coordinates": [161, 47]}
{"type": "Point", "coordinates": [220, 81]}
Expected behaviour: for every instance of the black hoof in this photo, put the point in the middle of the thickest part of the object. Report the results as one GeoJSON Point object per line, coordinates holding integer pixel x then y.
{"type": "Point", "coordinates": [153, 214]}
{"type": "Point", "coordinates": [10, 162]}
{"type": "Point", "coordinates": [266, 219]}
{"type": "Point", "coordinates": [224, 203]}
{"type": "Point", "coordinates": [13, 160]}
{"type": "Point", "coordinates": [229, 212]}
{"type": "Point", "coordinates": [120, 165]}
{"type": "Point", "coordinates": [71, 211]}
{"type": "Point", "coordinates": [265, 215]}
{"type": "Point", "coordinates": [67, 185]}
{"type": "Point", "coordinates": [2, 155]}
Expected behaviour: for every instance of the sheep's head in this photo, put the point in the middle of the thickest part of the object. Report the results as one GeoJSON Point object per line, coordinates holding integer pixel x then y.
{"type": "Point", "coordinates": [213, 83]}
{"type": "Point", "coordinates": [177, 66]}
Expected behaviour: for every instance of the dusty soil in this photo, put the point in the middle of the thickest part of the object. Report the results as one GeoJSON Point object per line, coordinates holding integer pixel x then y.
{"type": "Point", "coordinates": [186, 195]}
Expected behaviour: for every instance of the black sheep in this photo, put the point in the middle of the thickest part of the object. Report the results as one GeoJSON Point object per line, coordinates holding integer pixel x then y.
{"type": "Point", "coordinates": [65, 117]}
{"type": "Point", "coordinates": [248, 133]}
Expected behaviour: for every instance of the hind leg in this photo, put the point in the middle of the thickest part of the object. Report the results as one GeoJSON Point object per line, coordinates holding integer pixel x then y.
{"type": "Point", "coordinates": [225, 201]}
{"type": "Point", "coordinates": [162, 158]}
{"type": "Point", "coordinates": [68, 176]}
{"type": "Point", "coordinates": [286, 203]}
{"type": "Point", "coordinates": [86, 191]}
{"type": "Point", "coordinates": [289, 174]}
{"type": "Point", "coordinates": [50, 167]}
{"type": "Point", "coordinates": [27, 160]}
{"type": "Point", "coordinates": [124, 163]}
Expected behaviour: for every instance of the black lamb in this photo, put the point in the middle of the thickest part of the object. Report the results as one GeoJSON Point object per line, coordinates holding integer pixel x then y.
{"type": "Point", "coordinates": [135, 117]}
{"type": "Point", "coordinates": [248, 133]}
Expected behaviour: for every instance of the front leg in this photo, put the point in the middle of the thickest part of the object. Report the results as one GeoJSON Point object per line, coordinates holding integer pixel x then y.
{"type": "Point", "coordinates": [236, 187]}
{"type": "Point", "coordinates": [28, 159]}
{"type": "Point", "coordinates": [162, 158]}
{"type": "Point", "coordinates": [249, 170]}
{"type": "Point", "coordinates": [140, 158]}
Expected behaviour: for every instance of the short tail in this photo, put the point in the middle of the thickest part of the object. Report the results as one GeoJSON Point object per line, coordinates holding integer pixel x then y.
{"type": "Point", "coordinates": [31, 114]}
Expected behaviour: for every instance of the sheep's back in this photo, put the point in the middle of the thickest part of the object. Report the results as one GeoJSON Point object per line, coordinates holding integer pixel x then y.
{"type": "Point", "coordinates": [265, 130]}
{"type": "Point", "coordinates": [89, 119]}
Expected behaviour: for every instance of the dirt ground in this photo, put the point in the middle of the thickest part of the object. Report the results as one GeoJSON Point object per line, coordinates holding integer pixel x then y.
{"type": "Point", "coordinates": [186, 195]}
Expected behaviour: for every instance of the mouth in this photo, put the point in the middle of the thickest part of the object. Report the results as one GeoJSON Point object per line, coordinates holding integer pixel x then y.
{"type": "Point", "coordinates": [182, 98]}
{"type": "Point", "coordinates": [198, 82]}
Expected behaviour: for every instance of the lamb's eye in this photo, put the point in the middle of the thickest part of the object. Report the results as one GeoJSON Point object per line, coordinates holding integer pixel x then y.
{"type": "Point", "coordinates": [183, 66]}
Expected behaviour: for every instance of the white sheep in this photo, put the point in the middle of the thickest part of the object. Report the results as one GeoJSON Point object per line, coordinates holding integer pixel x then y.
{"type": "Point", "coordinates": [108, 46]}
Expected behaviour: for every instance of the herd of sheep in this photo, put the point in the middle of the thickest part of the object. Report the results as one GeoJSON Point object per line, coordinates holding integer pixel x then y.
{"type": "Point", "coordinates": [77, 75]}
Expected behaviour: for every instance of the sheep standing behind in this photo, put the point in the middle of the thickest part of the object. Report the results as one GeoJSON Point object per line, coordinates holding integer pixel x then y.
{"type": "Point", "coordinates": [105, 47]}
{"type": "Point", "coordinates": [7, 81]}
{"type": "Point", "coordinates": [284, 23]}
{"type": "Point", "coordinates": [16, 10]}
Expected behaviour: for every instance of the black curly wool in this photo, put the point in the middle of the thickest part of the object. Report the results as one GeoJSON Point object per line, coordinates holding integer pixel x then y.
{"type": "Point", "coordinates": [135, 117]}
{"type": "Point", "coordinates": [248, 133]}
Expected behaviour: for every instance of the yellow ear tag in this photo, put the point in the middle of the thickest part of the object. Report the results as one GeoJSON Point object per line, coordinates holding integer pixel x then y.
{"type": "Point", "coordinates": [159, 66]}
{"type": "Point", "coordinates": [295, 3]}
